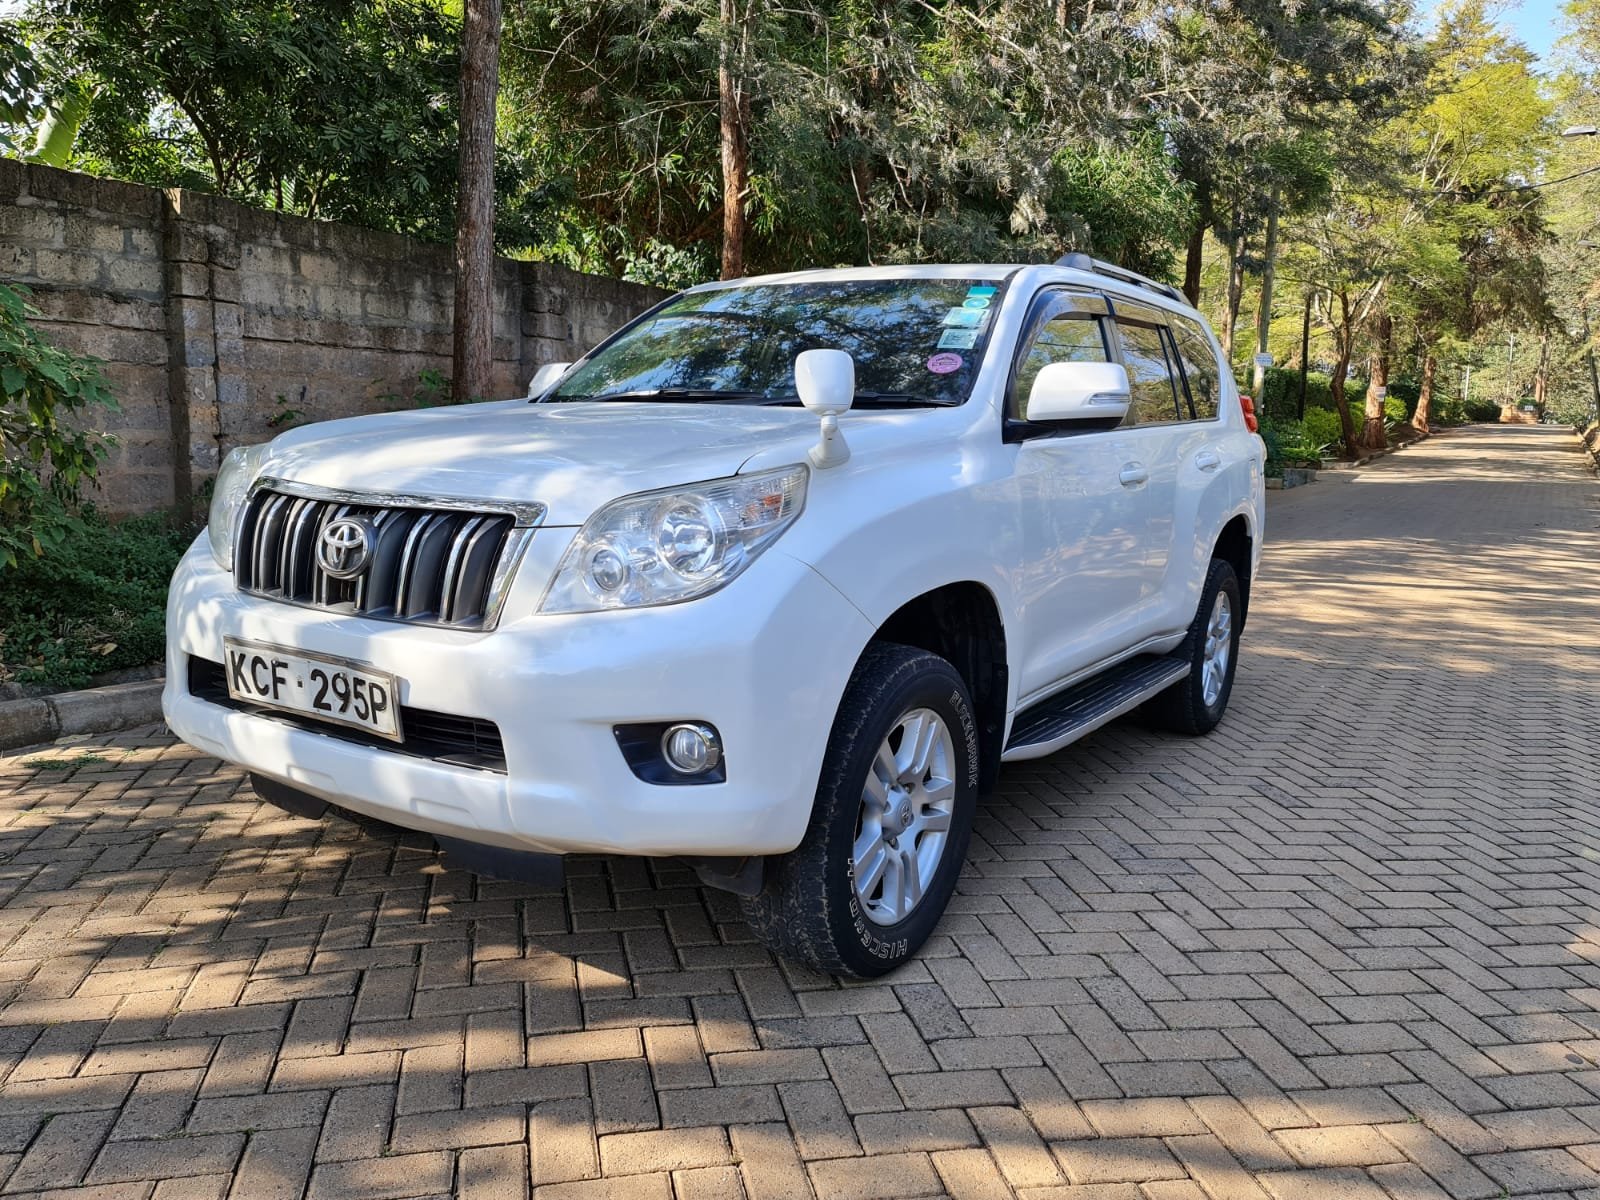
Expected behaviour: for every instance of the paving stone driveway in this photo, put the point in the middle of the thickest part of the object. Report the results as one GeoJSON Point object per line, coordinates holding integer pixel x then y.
{"type": "Point", "coordinates": [1349, 946]}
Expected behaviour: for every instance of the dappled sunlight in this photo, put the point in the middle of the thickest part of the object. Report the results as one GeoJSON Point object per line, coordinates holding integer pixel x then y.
{"type": "Point", "coordinates": [1355, 925]}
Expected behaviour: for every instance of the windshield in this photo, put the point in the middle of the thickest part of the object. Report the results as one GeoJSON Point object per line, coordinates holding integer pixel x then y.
{"type": "Point", "coordinates": [914, 341]}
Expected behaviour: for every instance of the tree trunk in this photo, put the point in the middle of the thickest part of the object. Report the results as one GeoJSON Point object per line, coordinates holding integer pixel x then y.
{"type": "Point", "coordinates": [1264, 309]}
{"type": "Point", "coordinates": [1344, 337]}
{"type": "Point", "coordinates": [1194, 255]}
{"type": "Point", "coordinates": [1193, 260]}
{"type": "Point", "coordinates": [1373, 436]}
{"type": "Point", "coordinates": [1305, 356]}
{"type": "Point", "coordinates": [733, 107]}
{"type": "Point", "coordinates": [1430, 368]}
{"type": "Point", "coordinates": [1230, 319]}
{"type": "Point", "coordinates": [1541, 378]}
{"type": "Point", "coordinates": [472, 357]}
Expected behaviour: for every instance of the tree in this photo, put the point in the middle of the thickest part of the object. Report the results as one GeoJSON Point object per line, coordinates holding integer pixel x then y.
{"type": "Point", "coordinates": [343, 109]}
{"type": "Point", "coordinates": [1465, 231]}
{"type": "Point", "coordinates": [735, 34]}
{"type": "Point", "coordinates": [904, 130]}
{"type": "Point", "coordinates": [472, 349]}
{"type": "Point", "coordinates": [1233, 80]}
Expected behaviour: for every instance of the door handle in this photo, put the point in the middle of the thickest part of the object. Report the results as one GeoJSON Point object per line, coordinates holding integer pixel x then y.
{"type": "Point", "coordinates": [1133, 474]}
{"type": "Point", "coordinates": [1208, 460]}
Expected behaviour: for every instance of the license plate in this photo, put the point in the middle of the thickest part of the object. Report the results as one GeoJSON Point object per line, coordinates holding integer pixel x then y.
{"type": "Point", "coordinates": [314, 685]}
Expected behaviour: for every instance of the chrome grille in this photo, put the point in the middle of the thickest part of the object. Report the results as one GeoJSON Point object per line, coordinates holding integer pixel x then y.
{"type": "Point", "coordinates": [428, 564]}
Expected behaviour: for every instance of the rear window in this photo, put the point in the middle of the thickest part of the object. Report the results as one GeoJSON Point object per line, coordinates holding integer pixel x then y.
{"type": "Point", "coordinates": [1199, 361]}
{"type": "Point", "coordinates": [1144, 353]}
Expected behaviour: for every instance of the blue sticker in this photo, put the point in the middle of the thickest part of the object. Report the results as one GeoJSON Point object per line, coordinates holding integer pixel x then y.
{"type": "Point", "coordinates": [958, 339]}
{"type": "Point", "coordinates": [965, 318]}
{"type": "Point", "coordinates": [982, 291]}
{"type": "Point", "coordinates": [976, 302]}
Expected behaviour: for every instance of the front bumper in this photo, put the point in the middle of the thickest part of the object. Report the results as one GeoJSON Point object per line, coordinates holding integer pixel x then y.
{"type": "Point", "coordinates": [765, 660]}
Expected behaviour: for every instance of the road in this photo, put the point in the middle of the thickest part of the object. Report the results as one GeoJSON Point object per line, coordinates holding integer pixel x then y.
{"type": "Point", "coordinates": [1347, 947]}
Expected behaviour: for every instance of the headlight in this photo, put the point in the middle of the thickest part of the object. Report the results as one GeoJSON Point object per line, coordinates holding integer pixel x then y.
{"type": "Point", "coordinates": [233, 484]}
{"type": "Point", "coordinates": [663, 547]}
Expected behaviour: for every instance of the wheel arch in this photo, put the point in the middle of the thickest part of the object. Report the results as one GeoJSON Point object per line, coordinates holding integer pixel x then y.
{"type": "Point", "coordinates": [1235, 545]}
{"type": "Point", "coordinates": [961, 623]}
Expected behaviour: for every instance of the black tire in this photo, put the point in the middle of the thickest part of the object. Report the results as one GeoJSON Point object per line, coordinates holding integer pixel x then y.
{"type": "Point", "coordinates": [808, 909]}
{"type": "Point", "coordinates": [1182, 708]}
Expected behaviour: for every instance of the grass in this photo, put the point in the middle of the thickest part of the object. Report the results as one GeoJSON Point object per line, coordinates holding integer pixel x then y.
{"type": "Point", "coordinates": [94, 604]}
{"type": "Point", "coordinates": [66, 764]}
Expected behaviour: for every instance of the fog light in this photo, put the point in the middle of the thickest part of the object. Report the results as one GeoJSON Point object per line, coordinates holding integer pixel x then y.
{"type": "Point", "coordinates": [691, 749]}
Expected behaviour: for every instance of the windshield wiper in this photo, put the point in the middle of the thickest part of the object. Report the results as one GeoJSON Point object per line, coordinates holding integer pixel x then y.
{"type": "Point", "coordinates": [673, 393]}
{"type": "Point", "coordinates": [879, 400]}
{"type": "Point", "coordinates": [893, 399]}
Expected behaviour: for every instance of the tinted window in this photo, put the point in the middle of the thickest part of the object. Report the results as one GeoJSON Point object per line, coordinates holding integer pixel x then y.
{"type": "Point", "coordinates": [918, 337]}
{"type": "Point", "coordinates": [1067, 333]}
{"type": "Point", "coordinates": [1199, 366]}
{"type": "Point", "coordinates": [1144, 353]}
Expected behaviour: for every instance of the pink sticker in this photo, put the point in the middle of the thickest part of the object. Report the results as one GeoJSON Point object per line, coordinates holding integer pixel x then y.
{"type": "Point", "coordinates": [944, 364]}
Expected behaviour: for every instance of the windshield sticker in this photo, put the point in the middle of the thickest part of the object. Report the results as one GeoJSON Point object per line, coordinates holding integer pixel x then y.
{"type": "Point", "coordinates": [958, 339]}
{"type": "Point", "coordinates": [965, 318]}
{"type": "Point", "coordinates": [982, 291]}
{"type": "Point", "coordinates": [945, 364]}
{"type": "Point", "coordinates": [975, 302]}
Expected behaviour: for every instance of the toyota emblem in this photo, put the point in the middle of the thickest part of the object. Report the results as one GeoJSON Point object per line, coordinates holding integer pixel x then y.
{"type": "Point", "coordinates": [344, 547]}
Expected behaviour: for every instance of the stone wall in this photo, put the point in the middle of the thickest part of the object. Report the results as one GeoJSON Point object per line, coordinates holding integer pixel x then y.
{"type": "Point", "coordinates": [215, 319]}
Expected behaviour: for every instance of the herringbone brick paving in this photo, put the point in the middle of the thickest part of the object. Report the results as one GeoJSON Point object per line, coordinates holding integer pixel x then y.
{"type": "Point", "coordinates": [1347, 947]}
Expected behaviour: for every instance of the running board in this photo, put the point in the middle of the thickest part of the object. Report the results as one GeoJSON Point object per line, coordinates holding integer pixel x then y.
{"type": "Point", "coordinates": [1081, 709]}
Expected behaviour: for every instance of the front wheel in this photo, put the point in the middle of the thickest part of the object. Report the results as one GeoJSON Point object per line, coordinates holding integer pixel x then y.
{"type": "Point", "coordinates": [890, 824]}
{"type": "Point", "coordinates": [1195, 704]}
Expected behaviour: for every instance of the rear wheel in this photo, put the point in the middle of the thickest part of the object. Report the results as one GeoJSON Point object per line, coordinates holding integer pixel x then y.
{"type": "Point", "coordinates": [1195, 705]}
{"type": "Point", "coordinates": [890, 824]}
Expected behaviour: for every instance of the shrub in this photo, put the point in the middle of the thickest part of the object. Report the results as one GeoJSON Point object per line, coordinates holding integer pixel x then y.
{"type": "Point", "coordinates": [95, 603]}
{"type": "Point", "coordinates": [1287, 445]}
{"type": "Point", "coordinates": [1446, 408]}
{"type": "Point", "coordinates": [1407, 391]}
{"type": "Point", "coordinates": [1322, 427]}
{"type": "Point", "coordinates": [1280, 392]}
{"type": "Point", "coordinates": [44, 458]}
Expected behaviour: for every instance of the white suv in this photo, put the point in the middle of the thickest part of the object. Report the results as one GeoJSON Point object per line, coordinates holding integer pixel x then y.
{"type": "Point", "coordinates": [658, 608]}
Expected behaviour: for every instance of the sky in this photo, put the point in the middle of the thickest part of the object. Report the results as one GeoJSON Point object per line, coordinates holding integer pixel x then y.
{"type": "Point", "coordinates": [1536, 24]}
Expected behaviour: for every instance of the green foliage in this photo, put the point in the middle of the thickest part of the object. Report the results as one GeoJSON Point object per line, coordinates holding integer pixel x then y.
{"type": "Point", "coordinates": [1280, 392]}
{"type": "Point", "coordinates": [283, 415]}
{"type": "Point", "coordinates": [1407, 391]}
{"type": "Point", "coordinates": [22, 100]}
{"type": "Point", "coordinates": [1288, 445]}
{"type": "Point", "coordinates": [45, 458]}
{"type": "Point", "coordinates": [432, 389]}
{"type": "Point", "coordinates": [343, 109]}
{"type": "Point", "coordinates": [1322, 428]}
{"type": "Point", "coordinates": [96, 603]}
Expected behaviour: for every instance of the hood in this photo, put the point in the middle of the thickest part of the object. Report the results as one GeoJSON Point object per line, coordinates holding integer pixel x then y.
{"type": "Point", "coordinates": [570, 457]}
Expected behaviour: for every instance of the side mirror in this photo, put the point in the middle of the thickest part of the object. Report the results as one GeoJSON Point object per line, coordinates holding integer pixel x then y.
{"type": "Point", "coordinates": [1080, 391]}
{"type": "Point", "coordinates": [826, 382]}
{"type": "Point", "coordinates": [546, 378]}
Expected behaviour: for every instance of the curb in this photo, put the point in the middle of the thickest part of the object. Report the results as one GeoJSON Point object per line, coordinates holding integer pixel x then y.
{"type": "Point", "coordinates": [93, 710]}
{"type": "Point", "coordinates": [1589, 444]}
{"type": "Point", "coordinates": [1350, 464]}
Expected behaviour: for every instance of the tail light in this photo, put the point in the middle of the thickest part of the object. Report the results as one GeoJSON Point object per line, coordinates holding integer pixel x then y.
{"type": "Point", "coordinates": [1249, 408]}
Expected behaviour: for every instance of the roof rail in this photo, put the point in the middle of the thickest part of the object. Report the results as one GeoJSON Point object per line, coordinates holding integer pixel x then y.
{"type": "Point", "coordinates": [1079, 261]}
